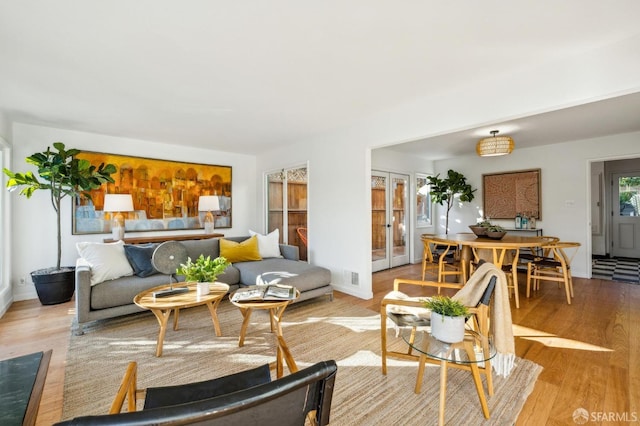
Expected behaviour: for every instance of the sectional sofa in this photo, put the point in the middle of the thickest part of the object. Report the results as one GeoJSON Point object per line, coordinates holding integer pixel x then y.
{"type": "Point", "coordinates": [108, 276]}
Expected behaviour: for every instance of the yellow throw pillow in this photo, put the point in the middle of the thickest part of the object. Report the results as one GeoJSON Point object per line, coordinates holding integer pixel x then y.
{"type": "Point", "coordinates": [240, 252]}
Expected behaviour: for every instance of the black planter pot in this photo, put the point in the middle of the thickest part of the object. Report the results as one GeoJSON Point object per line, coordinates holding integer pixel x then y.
{"type": "Point", "coordinates": [54, 286]}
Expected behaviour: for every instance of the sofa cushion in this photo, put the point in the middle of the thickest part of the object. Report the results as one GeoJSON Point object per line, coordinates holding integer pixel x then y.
{"type": "Point", "coordinates": [268, 245]}
{"type": "Point", "coordinates": [272, 271]}
{"type": "Point", "coordinates": [107, 260]}
{"type": "Point", "coordinates": [240, 252]}
{"type": "Point", "coordinates": [121, 291]}
{"type": "Point", "coordinates": [206, 247]}
{"type": "Point", "coordinates": [139, 257]}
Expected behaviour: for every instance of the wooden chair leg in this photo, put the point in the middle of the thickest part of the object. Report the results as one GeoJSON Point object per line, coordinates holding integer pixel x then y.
{"type": "Point", "coordinates": [421, 364]}
{"type": "Point", "coordinates": [443, 391]}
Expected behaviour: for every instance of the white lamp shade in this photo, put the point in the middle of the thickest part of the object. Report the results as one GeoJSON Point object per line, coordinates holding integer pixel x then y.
{"type": "Point", "coordinates": [118, 203]}
{"type": "Point", "coordinates": [208, 203]}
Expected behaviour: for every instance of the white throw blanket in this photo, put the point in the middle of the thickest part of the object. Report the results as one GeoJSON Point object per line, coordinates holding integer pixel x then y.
{"type": "Point", "coordinates": [500, 313]}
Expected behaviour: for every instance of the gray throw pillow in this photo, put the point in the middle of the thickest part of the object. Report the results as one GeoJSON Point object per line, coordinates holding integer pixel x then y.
{"type": "Point", "coordinates": [139, 256]}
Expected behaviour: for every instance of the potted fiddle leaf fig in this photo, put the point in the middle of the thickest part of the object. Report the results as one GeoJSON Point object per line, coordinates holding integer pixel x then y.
{"type": "Point", "coordinates": [443, 191]}
{"type": "Point", "coordinates": [448, 317]}
{"type": "Point", "coordinates": [62, 174]}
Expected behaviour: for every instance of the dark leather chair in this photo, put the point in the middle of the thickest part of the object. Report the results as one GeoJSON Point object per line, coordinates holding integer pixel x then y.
{"type": "Point", "coordinates": [287, 401]}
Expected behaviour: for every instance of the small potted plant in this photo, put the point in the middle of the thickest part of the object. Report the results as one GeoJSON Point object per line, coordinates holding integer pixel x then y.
{"type": "Point", "coordinates": [448, 317]}
{"type": "Point", "coordinates": [203, 270]}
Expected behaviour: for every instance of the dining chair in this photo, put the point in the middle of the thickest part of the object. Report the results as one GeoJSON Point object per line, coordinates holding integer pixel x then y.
{"type": "Point", "coordinates": [532, 253]}
{"type": "Point", "coordinates": [507, 258]}
{"type": "Point", "coordinates": [440, 259]}
{"type": "Point", "coordinates": [554, 265]}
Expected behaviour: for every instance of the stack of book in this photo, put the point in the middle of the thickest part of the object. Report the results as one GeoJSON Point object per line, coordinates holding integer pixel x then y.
{"type": "Point", "coordinates": [272, 292]}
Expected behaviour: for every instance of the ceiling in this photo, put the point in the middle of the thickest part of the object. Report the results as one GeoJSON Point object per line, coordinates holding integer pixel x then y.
{"type": "Point", "coordinates": [248, 76]}
{"type": "Point", "coordinates": [607, 117]}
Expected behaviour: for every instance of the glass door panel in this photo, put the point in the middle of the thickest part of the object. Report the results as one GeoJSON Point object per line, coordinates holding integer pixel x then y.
{"type": "Point", "coordinates": [290, 216]}
{"type": "Point", "coordinates": [626, 215]}
{"type": "Point", "coordinates": [379, 221]}
{"type": "Point", "coordinates": [389, 220]}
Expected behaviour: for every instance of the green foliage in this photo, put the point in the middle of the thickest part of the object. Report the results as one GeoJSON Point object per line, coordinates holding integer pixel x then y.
{"type": "Point", "coordinates": [443, 191]}
{"type": "Point", "coordinates": [446, 306]}
{"type": "Point", "coordinates": [204, 269]}
{"type": "Point", "coordinates": [60, 173]}
{"type": "Point", "coordinates": [495, 228]}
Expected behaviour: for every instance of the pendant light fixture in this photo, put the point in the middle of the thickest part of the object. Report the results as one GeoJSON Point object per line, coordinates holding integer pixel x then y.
{"type": "Point", "coordinates": [494, 145]}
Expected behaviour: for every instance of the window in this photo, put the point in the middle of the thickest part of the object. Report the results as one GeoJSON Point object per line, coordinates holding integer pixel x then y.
{"type": "Point", "coordinates": [423, 201]}
{"type": "Point", "coordinates": [629, 192]}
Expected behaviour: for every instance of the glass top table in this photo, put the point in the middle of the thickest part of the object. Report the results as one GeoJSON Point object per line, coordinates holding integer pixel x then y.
{"type": "Point", "coordinates": [426, 344]}
{"type": "Point", "coordinates": [467, 355]}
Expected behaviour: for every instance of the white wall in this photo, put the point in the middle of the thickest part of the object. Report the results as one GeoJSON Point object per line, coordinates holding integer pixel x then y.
{"type": "Point", "coordinates": [34, 229]}
{"type": "Point", "coordinates": [6, 294]}
{"type": "Point", "coordinates": [565, 186]}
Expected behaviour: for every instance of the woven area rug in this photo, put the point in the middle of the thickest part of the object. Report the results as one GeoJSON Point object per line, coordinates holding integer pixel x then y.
{"type": "Point", "coordinates": [315, 330]}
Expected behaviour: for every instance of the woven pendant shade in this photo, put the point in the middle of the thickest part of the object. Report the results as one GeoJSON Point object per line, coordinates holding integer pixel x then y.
{"type": "Point", "coordinates": [494, 145]}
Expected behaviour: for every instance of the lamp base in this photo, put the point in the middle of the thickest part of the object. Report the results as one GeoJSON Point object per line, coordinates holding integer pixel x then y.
{"type": "Point", "coordinates": [117, 233]}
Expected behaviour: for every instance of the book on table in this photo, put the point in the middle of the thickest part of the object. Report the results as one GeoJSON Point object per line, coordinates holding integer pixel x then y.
{"type": "Point", "coordinates": [272, 292]}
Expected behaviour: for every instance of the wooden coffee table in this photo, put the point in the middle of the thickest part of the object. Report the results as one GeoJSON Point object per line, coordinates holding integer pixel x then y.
{"type": "Point", "coordinates": [276, 309]}
{"type": "Point", "coordinates": [162, 306]}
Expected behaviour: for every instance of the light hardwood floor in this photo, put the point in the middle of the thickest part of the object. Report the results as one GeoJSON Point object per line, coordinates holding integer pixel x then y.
{"type": "Point", "coordinates": [589, 350]}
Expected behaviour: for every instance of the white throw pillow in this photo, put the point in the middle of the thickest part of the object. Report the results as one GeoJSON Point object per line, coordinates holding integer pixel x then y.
{"type": "Point", "coordinates": [268, 245]}
{"type": "Point", "coordinates": [108, 260]}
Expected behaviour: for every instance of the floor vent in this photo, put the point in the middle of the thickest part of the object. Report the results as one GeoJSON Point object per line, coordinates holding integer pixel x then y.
{"type": "Point", "coordinates": [352, 277]}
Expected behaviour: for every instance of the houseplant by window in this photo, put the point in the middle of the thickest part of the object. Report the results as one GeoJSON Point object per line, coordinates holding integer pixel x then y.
{"type": "Point", "coordinates": [448, 317]}
{"type": "Point", "coordinates": [444, 191]}
{"type": "Point", "coordinates": [60, 173]}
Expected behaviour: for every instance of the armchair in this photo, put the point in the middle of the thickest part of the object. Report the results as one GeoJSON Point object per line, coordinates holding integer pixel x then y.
{"type": "Point", "coordinates": [248, 397]}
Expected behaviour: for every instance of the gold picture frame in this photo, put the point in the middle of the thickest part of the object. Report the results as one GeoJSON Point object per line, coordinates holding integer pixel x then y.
{"type": "Point", "coordinates": [165, 194]}
{"type": "Point", "coordinates": [509, 193]}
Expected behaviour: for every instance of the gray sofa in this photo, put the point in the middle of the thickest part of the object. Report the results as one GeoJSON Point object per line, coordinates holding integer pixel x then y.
{"type": "Point", "coordinates": [114, 298]}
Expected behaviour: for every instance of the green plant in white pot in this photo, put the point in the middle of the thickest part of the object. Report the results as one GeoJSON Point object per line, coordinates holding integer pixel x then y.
{"type": "Point", "coordinates": [203, 269]}
{"type": "Point", "coordinates": [448, 317]}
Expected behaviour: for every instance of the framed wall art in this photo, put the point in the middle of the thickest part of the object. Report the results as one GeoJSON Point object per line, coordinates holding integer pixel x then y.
{"type": "Point", "coordinates": [165, 195]}
{"type": "Point", "coordinates": [507, 194]}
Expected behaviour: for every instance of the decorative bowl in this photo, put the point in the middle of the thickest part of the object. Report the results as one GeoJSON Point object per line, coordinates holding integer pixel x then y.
{"type": "Point", "coordinates": [496, 235]}
{"type": "Point", "coordinates": [478, 230]}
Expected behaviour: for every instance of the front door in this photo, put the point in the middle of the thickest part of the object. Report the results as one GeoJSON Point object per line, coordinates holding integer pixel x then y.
{"type": "Point", "coordinates": [389, 220]}
{"type": "Point", "coordinates": [625, 221]}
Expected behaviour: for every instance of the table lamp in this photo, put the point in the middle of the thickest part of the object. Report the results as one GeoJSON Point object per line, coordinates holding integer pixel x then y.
{"type": "Point", "coordinates": [118, 203]}
{"type": "Point", "coordinates": [208, 203]}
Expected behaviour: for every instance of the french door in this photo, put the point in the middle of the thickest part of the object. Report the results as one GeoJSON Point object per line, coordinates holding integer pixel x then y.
{"type": "Point", "coordinates": [625, 220]}
{"type": "Point", "coordinates": [287, 206]}
{"type": "Point", "coordinates": [389, 220]}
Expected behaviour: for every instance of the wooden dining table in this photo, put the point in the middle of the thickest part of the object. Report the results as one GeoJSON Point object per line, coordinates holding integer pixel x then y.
{"type": "Point", "coordinates": [506, 248]}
